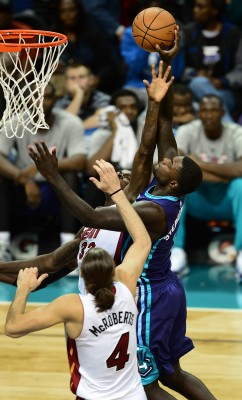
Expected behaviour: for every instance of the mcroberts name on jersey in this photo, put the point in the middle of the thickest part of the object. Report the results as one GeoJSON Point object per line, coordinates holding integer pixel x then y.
{"type": "Point", "coordinates": [122, 317]}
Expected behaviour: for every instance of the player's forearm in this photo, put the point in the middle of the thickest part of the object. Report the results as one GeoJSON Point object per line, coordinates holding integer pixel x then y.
{"type": "Point", "coordinates": [131, 219]}
{"type": "Point", "coordinates": [165, 138]}
{"type": "Point", "coordinates": [143, 160]}
{"type": "Point", "coordinates": [14, 325]}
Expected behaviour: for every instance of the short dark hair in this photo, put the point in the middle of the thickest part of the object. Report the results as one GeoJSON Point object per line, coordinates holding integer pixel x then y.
{"type": "Point", "coordinates": [212, 96]}
{"type": "Point", "coordinates": [190, 176]}
{"type": "Point", "coordinates": [98, 271]}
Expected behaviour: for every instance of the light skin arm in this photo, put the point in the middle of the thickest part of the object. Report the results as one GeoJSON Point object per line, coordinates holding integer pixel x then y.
{"type": "Point", "coordinates": [129, 271]}
{"type": "Point", "coordinates": [20, 323]}
{"type": "Point", "coordinates": [67, 308]}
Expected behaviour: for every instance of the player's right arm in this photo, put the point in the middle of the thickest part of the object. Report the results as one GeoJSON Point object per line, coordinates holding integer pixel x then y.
{"type": "Point", "coordinates": [166, 142]}
{"type": "Point", "coordinates": [104, 217]}
{"type": "Point", "coordinates": [129, 271]}
{"type": "Point", "coordinates": [143, 160]}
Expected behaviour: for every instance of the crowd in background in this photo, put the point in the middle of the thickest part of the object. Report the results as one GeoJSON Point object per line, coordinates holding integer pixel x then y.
{"type": "Point", "coordinates": [98, 88]}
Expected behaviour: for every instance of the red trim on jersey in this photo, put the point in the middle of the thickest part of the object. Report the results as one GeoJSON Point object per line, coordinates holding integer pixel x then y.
{"type": "Point", "coordinates": [73, 364]}
{"type": "Point", "coordinates": [117, 254]}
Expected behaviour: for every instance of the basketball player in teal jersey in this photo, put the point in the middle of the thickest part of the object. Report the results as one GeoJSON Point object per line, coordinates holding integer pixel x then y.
{"type": "Point", "coordinates": [154, 217]}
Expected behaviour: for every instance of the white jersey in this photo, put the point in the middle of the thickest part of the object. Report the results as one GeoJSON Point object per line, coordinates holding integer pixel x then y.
{"type": "Point", "coordinates": [103, 358]}
{"type": "Point", "coordinates": [93, 237]}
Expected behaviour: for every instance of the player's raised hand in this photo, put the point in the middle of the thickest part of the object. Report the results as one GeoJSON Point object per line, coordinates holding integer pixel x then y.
{"type": "Point", "coordinates": [109, 181]}
{"type": "Point", "coordinates": [160, 83]}
{"type": "Point", "coordinates": [168, 55]}
{"type": "Point", "coordinates": [44, 159]}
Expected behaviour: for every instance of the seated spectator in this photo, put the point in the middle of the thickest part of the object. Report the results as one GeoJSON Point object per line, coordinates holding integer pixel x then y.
{"type": "Point", "coordinates": [212, 51]}
{"type": "Point", "coordinates": [24, 192]}
{"type": "Point", "coordinates": [184, 107]}
{"type": "Point", "coordinates": [86, 43]}
{"type": "Point", "coordinates": [217, 148]}
{"type": "Point", "coordinates": [116, 141]}
{"type": "Point", "coordinates": [82, 98]}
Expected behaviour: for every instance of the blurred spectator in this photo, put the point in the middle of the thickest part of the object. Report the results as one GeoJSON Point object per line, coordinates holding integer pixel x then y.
{"type": "Point", "coordinates": [24, 192]}
{"type": "Point", "coordinates": [82, 98]}
{"type": "Point", "coordinates": [217, 147]}
{"type": "Point", "coordinates": [213, 50]}
{"type": "Point", "coordinates": [234, 12]}
{"type": "Point", "coordinates": [87, 44]}
{"type": "Point", "coordinates": [184, 107]}
{"type": "Point", "coordinates": [7, 20]}
{"type": "Point", "coordinates": [106, 14]}
{"type": "Point", "coordinates": [116, 140]}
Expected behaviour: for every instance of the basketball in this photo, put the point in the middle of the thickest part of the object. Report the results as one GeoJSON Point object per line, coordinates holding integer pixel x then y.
{"type": "Point", "coordinates": [152, 26]}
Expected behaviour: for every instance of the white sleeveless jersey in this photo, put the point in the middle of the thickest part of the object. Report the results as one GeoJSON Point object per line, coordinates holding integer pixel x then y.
{"type": "Point", "coordinates": [93, 237]}
{"type": "Point", "coordinates": [103, 359]}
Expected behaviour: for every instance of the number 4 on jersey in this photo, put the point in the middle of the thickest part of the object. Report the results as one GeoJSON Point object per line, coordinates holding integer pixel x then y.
{"type": "Point", "coordinates": [120, 355]}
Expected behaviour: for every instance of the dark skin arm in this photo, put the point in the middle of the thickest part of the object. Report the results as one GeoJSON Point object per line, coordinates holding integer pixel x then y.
{"type": "Point", "coordinates": [143, 160]}
{"type": "Point", "coordinates": [62, 260]}
{"type": "Point", "coordinates": [104, 218]}
{"type": "Point", "coordinates": [109, 218]}
{"type": "Point", "coordinates": [165, 138]}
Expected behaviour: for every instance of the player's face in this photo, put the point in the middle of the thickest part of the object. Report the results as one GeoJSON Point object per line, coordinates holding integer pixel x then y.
{"type": "Point", "coordinates": [168, 169]}
{"type": "Point", "coordinates": [124, 177]}
{"type": "Point", "coordinates": [128, 105]}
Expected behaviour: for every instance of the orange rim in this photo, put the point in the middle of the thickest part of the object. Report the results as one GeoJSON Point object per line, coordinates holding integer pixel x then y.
{"type": "Point", "coordinates": [14, 34]}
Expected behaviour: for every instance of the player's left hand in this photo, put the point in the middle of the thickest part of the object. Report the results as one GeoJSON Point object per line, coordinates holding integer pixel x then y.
{"type": "Point", "coordinates": [160, 84]}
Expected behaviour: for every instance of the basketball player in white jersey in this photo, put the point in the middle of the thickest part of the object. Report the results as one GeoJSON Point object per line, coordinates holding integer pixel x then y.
{"type": "Point", "coordinates": [101, 325]}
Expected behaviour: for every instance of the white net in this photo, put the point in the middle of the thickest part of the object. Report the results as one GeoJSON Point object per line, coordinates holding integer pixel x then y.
{"type": "Point", "coordinates": [24, 74]}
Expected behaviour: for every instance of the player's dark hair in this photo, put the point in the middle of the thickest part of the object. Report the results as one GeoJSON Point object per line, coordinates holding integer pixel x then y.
{"type": "Point", "coordinates": [98, 271]}
{"type": "Point", "coordinates": [190, 176]}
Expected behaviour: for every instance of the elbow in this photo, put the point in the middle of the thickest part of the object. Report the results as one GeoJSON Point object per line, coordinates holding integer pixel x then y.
{"type": "Point", "coordinates": [11, 332]}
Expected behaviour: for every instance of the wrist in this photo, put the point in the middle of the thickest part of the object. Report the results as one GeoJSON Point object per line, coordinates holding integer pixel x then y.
{"type": "Point", "coordinates": [115, 192]}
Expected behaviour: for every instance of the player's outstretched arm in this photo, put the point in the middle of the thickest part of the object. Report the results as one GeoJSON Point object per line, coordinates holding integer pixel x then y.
{"type": "Point", "coordinates": [129, 271]}
{"type": "Point", "coordinates": [143, 160]}
{"type": "Point", "coordinates": [57, 264]}
{"type": "Point", "coordinates": [165, 138]}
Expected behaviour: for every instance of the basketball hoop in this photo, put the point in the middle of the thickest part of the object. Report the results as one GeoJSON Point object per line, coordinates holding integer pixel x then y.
{"type": "Point", "coordinates": [28, 59]}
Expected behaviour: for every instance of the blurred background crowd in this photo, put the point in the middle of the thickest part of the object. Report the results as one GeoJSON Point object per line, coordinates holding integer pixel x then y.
{"type": "Point", "coordinates": [95, 106]}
